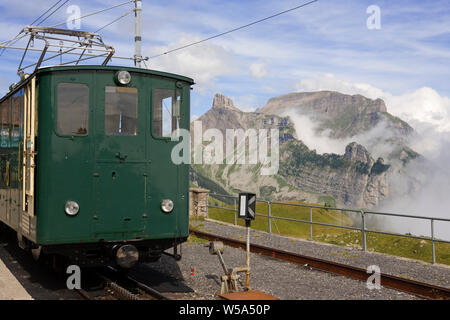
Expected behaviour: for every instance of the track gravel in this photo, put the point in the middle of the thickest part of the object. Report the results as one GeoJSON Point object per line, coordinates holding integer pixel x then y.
{"type": "Point", "coordinates": [407, 268]}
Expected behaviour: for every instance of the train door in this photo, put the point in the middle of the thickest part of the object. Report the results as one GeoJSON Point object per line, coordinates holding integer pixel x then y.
{"type": "Point", "coordinates": [164, 180]}
{"type": "Point", "coordinates": [28, 157]}
{"type": "Point", "coordinates": [120, 177]}
{"type": "Point", "coordinates": [70, 150]}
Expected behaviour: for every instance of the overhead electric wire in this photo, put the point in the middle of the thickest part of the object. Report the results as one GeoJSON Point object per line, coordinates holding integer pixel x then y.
{"type": "Point", "coordinates": [92, 13]}
{"type": "Point", "coordinates": [233, 30]}
{"type": "Point", "coordinates": [8, 44]}
{"type": "Point", "coordinates": [45, 12]}
{"type": "Point", "coordinates": [17, 37]}
{"type": "Point", "coordinates": [114, 21]}
{"type": "Point", "coordinates": [53, 12]}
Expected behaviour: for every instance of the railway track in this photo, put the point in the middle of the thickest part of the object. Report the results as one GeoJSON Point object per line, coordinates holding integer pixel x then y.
{"type": "Point", "coordinates": [117, 286]}
{"type": "Point", "coordinates": [423, 290]}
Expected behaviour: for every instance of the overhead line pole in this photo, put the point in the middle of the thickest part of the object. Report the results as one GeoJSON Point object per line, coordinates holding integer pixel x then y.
{"type": "Point", "coordinates": [138, 34]}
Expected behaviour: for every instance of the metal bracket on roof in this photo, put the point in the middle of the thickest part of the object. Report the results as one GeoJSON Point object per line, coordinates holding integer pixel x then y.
{"type": "Point", "coordinates": [67, 42]}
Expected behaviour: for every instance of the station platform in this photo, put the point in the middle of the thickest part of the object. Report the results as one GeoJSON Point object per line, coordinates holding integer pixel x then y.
{"type": "Point", "coordinates": [10, 287]}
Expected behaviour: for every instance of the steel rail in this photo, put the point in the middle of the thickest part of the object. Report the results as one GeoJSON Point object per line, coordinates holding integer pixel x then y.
{"type": "Point", "coordinates": [424, 290]}
{"type": "Point", "coordinates": [84, 294]}
{"type": "Point", "coordinates": [117, 291]}
{"type": "Point", "coordinates": [150, 291]}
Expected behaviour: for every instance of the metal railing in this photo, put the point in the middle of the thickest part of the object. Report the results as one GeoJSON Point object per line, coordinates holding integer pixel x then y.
{"type": "Point", "coordinates": [362, 228]}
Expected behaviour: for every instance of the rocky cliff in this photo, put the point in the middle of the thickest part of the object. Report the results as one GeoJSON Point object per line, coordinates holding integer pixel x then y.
{"type": "Point", "coordinates": [344, 115]}
{"type": "Point", "coordinates": [353, 179]}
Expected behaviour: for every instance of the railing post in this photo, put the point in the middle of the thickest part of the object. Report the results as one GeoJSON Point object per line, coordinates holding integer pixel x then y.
{"type": "Point", "coordinates": [432, 241]}
{"type": "Point", "coordinates": [364, 241]}
{"type": "Point", "coordinates": [235, 212]}
{"type": "Point", "coordinates": [207, 206]}
{"type": "Point", "coordinates": [270, 221]}
{"type": "Point", "coordinates": [310, 224]}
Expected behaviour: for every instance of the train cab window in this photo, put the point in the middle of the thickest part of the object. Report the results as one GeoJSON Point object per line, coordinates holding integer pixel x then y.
{"type": "Point", "coordinates": [5, 116]}
{"type": "Point", "coordinates": [73, 108]}
{"type": "Point", "coordinates": [121, 111]}
{"type": "Point", "coordinates": [166, 112]}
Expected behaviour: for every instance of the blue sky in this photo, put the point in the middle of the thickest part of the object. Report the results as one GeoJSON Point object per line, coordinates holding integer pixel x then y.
{"type": "Point", "coordinates": [326, 45]}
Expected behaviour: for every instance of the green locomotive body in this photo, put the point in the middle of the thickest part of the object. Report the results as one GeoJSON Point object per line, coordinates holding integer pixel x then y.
{"type": "Point", "coordinates": [86, 170]}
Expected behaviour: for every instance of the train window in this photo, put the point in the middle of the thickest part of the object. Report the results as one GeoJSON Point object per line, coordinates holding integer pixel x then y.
{"type": "Point", "coordinates": [73, 108]}
{"type": "Point", "coordinates": [5, 115]}
{"type": "Point", "coordinates": [166, 112]}
{"type": "Point", "coordinates": [121, 111]}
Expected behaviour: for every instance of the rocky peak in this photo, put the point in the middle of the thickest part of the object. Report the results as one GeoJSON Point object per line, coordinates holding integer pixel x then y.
{"type": "Point", "coordinates": [344, 115]}
{"type": "Point", "coordinates": [223, 102]}
{"type": "Point", "coordinates": [328, 103]}
{"type": "Point", "coordinates": [356, 152]}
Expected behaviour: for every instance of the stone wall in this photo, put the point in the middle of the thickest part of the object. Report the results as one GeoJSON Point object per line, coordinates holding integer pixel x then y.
{"type": "Point", "coordinates": [198, 202]}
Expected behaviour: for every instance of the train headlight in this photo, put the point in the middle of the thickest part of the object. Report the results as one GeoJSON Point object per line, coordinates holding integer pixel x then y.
{"type": "Point", "coordinates": [127, 256]}
{"type": "Point", "coordinates": [123, 77]}
{"type": "Point", "coordinates": [72, 208]}
{"type": "Point", "coordinates": [167, 205]}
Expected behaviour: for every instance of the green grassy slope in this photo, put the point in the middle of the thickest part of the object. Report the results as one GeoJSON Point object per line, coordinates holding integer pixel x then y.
{"type": "Point", "coordinates": [393, 245]}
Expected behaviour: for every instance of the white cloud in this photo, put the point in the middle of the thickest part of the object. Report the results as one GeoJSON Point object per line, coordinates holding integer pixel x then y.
{"type": "Point", "coordinates": [306, 131]}
{"type": "Point", "coordinates": [330, 83]}
{"type": "Point", "coordinates": [323, 142]}
{"type": "Point", "coordinates": [258, 70]}
{"type": "Point", "coordinates": [423, 106]}
{"type": "Point", "coordinates": [203, 63]}
{"type": "Point", "coordinates": [194, 117]}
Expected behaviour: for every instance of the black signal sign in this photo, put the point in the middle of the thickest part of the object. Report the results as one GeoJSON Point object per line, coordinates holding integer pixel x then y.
{"type": "Point", "coordinates": [247, 206]}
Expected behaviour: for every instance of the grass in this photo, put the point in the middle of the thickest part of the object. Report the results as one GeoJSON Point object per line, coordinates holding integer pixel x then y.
{"type": "Point", "coordinates": [288, 228]}
{"type": "Point", "coordinates": [389, 244]}
{"type": "Point", "coordinates": [194, 239]}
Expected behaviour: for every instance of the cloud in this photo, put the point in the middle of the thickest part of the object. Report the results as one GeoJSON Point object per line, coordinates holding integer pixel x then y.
{"type": "Point", "coordinates": [322, 141]}
{"type": "Point", "coordinates": [422, 107]}
{"type": "Point", "coordinates": [205, 63]}
{"type": "Point", "coordinates": [331, 83]}
{"type": "Point", "coordinates": [258, 70]}
{"type": "Point", "coordinates": [306, 131]}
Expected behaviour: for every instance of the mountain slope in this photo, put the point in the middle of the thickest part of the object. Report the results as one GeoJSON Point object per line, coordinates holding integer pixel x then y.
{"type": "Point", "coordinates": [352, 179]}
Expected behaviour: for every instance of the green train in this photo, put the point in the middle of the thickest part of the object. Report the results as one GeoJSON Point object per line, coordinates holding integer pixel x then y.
{"type": "Point", "coordinates": [86, 170]}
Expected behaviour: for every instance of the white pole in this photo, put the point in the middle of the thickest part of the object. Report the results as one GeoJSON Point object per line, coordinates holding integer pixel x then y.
{"type": "Point", "coordinates": [138, 34]}
{"type": "Point", "coordinates": [247, 280]}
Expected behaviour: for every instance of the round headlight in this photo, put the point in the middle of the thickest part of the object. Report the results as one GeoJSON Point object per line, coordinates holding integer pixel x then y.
{"type": "Point", "coordinates": [167, 206]}
{"type": "Point", "coordinates": [123, 77]}
{"type": "Point", "coordinates": [72, 208]}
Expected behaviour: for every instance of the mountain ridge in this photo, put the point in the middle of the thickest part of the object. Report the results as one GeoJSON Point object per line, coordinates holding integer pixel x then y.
{"type": "Point", "coordinates": [352, 178]}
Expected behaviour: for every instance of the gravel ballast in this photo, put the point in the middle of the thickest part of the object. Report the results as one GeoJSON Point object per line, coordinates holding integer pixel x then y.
{"type": "Point", "coordinates": [201, 272]}
{"type": "Point", "coordinates": [407, 268]}
{"type": "Point", "coordinates": [287, 281]}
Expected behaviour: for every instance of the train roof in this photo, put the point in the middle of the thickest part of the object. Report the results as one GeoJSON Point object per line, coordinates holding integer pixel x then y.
{"type": "Point", "coordinates": [95, 68]}
{"type": "Point", "coordinates": [117, 68]}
